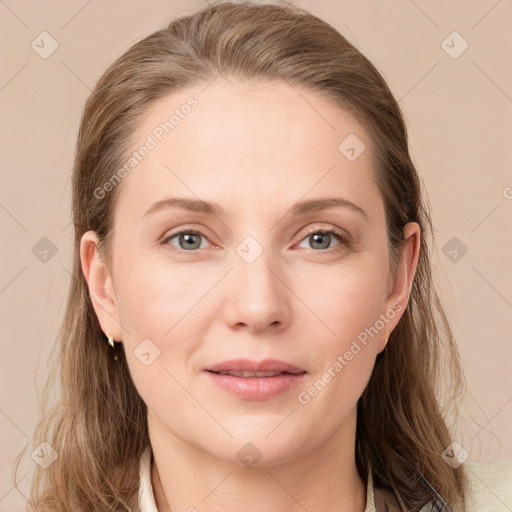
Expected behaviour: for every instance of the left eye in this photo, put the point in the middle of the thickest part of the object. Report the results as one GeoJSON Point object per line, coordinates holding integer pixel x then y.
{"type": "Point", "coordinates": [190, 239]}
{"type": "Point", "coordinates": [322, 238]}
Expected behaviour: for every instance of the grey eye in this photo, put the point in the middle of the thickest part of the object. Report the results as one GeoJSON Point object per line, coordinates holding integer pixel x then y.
{"type": "Point", "coordinates": [187, 240]}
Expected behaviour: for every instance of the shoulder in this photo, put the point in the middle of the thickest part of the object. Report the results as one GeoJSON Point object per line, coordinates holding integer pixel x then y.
{"type": "Point", "coordinates": [490, 486]}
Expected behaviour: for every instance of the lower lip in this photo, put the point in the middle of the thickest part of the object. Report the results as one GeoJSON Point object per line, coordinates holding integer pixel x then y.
{"type": "Point", "coordinates": [257, 388]}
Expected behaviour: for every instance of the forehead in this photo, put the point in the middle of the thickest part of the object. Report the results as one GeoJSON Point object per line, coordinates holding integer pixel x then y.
{"type": "Point", "coordinates": [248, 141]}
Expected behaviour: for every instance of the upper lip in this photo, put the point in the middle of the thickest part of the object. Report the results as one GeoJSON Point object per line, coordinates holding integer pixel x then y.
{"type": "Point", "coordinates": [267, 365]}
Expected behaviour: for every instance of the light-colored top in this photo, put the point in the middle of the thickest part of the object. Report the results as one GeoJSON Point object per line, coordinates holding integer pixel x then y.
{"type": "Point", "coordinates": [490, 487]}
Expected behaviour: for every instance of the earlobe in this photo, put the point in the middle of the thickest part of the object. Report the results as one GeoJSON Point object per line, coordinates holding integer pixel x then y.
{"type": "Point", "coordinates": [100, 284]}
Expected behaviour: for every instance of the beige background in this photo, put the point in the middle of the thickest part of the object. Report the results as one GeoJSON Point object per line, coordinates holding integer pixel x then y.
{"type": "Point", "coordinates": [459, 115]}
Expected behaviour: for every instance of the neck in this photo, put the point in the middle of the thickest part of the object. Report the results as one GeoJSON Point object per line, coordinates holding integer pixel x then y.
{"type": "Point", "coordinates": [186, 478]}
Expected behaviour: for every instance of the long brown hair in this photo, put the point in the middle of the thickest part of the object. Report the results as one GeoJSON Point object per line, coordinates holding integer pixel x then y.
{"type": "Point", "coordinates": [97, 422]}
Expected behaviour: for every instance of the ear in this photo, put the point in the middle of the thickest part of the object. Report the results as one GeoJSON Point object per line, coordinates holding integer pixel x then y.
{"type": "Point", "coordinates": [400, 289]}
{"type": "Point", "coordinates": [100, 283]}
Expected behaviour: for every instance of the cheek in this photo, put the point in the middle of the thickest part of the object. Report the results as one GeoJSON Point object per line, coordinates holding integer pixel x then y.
{"type": "Point", "coordinates": [162, 314]}
{"type": "Point", "coordinates": [340, 341]}
{"type": "Point", "coordinates": [158, 297]}
{"type": "Point", "coordinates": [156, 311]}
{"type": "Point", "coordinates": [343, 301]}
{"type": "Point", "coordinates": [342, 350]}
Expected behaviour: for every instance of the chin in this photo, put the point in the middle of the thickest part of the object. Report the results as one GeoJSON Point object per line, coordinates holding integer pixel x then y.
{"type": "Point", "coordinates": [260, 444]}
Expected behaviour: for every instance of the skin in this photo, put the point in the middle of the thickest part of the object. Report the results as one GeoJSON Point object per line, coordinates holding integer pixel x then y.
{"type": "Point", "coordinates": [255, 148]}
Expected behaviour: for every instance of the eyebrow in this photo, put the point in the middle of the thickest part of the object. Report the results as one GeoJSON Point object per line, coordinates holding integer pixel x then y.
{"type": "Point", "coordinates": [208, 208]}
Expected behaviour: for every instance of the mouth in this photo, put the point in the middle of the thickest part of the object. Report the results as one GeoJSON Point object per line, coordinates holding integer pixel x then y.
{"type": "Point", "coordinates": [249, 368]}
{"type": "Point", "coordinates": [247, 374]}
{"type": "Point", "coordinates": [253, 380]}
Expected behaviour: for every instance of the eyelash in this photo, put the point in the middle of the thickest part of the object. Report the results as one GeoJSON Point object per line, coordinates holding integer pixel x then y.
{"type": "Point", "coordinates": [342, 238]}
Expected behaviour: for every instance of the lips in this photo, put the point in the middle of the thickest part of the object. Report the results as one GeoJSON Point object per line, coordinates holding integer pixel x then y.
{"type": "Point", "coordinates": [245, 374]}
{"type": "Point", "coordinates": [246, 368]}
{"type": "Point", "coordinates": [253, 380]}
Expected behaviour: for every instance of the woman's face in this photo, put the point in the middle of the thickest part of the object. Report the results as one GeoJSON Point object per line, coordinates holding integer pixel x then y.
{"type": "Point", "coordinates": [260, 168]}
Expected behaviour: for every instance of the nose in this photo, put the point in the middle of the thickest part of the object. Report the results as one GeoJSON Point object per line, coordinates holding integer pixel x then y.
{"type": "Point", "coordinates": [259, 297]}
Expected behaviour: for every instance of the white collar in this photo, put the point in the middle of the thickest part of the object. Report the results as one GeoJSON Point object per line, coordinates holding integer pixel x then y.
{"type": "Point", "coordinates": [147, 498]}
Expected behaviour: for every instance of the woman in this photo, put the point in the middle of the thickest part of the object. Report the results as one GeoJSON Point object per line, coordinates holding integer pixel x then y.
{"type": "Point", "coordinates": [252, 241]}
